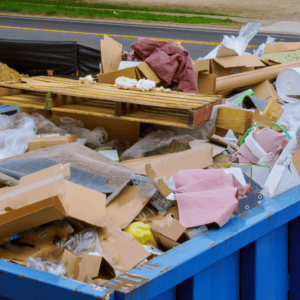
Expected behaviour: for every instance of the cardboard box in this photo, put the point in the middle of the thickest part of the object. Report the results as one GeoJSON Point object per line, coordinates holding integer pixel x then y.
{"type": "Point", "coordinates": [224, 66]}
{"type": "Point", "coordinates": [47, 196]}
{"type": "Point", "coordinates": [49, 140]}
{"type": "Point", "coordinates": [237, 120]}
{"type": "Point", "coordinates": [139, 72]}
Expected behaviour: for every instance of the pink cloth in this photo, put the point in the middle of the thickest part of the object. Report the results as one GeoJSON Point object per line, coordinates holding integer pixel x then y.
{"type": "Point", "coordinates": [207, 196]}
{"type": "Point", "coordinates": [169, 62]}
{"type": "Point", "coordinates": [270, 140]}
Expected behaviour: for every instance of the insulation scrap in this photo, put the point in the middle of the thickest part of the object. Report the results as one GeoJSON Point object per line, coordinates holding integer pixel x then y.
{"type": "Point", "coordinates": [8, 74]}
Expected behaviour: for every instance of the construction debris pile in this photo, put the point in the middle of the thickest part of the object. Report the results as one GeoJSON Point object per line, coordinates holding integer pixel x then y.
{"type": "Point", "coordinates": [97, 178]}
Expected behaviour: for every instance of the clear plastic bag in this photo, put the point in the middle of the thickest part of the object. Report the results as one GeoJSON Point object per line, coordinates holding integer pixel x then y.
{"type": "Point", "coordinates": [45, 126]}
{"type": "Point", "coordinates": [291, 116]}
{"type": "Point", "coordinates": [160, 203]}
{"type": "Point", "coordinates": [6, 122]}
{"type": "Point", "coordinates": [152, 142]}
{"type": "Point", "coordinates": [59, 121]}
{"type": "Point", "coordinates": [15, 141]}
{"type": "Point", "coordinates": [239, 43]}
{"type": "Point", "coordinates": [84, 242]}
{"type": "Point", "coordinates": [260, 50]}
{"type": "Point", "coordinates": [48, 265]}
{"type": "Point", "coordinates": [94, 139]}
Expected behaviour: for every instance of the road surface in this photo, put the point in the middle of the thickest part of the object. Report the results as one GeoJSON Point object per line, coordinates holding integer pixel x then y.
{"type": "Point", "coordinates": [197, 41]}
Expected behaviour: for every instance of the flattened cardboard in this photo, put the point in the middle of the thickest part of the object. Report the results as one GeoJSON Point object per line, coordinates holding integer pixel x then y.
{"type": "Point", "coordinates": [49, 141]}
{"type": "Point", "coordinates": [258, 118]}
{"type": "Point", "coordinates": [46, 196]}
{"type": "Point", "coordinates": [223, 66]}
{"type": "Point", "coordinates": [125, 207]}
{"type": "Point", "coordinates": [111, 54]}
{"type": "Point", "coordinates": [265, 90]}
{"type": "Point", "coordinates": [237, 120]}
{"type": "Point", "coordinates": [110, 78]}
{"type": "Point", "coordinates": [121, 247]}
{"type": "Point", "coordinates": [202, 65]}
{"type": "Point", "coordinates": [281, 47]}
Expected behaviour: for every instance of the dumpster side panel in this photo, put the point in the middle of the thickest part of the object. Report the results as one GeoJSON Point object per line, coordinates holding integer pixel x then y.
{"type": "Point", "coordinates": [194, 256]}
{"type": "Point", "coordinates": [21, 283]}
{"type": "Point", "coordinates": [294, 259]}
{"type": "Point", "coordinates": [218, 281]}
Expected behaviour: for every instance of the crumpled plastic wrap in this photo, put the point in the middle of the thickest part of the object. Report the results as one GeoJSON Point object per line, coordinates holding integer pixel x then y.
{"type": "Point", "coordinates": [239, 43]}
{"type": "Point", "coordinates": [84, 242]}
{"type": "Point", "coordinates": [15, 141]}
{"type": "Point", "coordinates": [151, 142]}
{"type": "Point", "coordinates": [260, 50]}
{"type": "Point", "coordinates": [94, 139]}
{"type": "Point", "coordinates": [48, 265]}
{"type": "Point", "coordinates": [6, 122]}
{"type": "Point", "coordinates": [44, 125]}
{"type": "Point", "coordinates": [59, 121]}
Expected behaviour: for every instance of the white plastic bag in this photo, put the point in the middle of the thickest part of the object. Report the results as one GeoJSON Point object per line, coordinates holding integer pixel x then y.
{"type": "Point", "coordinates": [52, 266]}
{"type": "Point", "coordinates": [84, 242]}
{"type": "Point", "coordinates": [59, 121]}
{"type": "Point", "coordinates": [240, 43]}
{"type": "Point", "coordinates": [15, 141]}
{"type": "Point", "coordinates": [6, 122]}
{"type": "Point", "coordinates": [260, 50]}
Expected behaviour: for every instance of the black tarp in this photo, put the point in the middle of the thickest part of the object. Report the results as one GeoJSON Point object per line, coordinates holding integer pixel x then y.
{"type": "Point", "coordinates": [36, 57]}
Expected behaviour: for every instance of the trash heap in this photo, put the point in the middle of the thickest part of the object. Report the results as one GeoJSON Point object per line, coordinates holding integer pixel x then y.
{"type": "Point", "coordinates": [77, 203]}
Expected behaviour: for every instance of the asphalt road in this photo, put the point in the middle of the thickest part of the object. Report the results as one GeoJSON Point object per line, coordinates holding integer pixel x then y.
{"type": "Point", "coordinates": [197, 41]}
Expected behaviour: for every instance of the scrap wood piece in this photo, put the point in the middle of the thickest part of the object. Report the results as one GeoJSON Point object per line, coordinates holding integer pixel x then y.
{"type": "Point", "coordinates": [237, 120]}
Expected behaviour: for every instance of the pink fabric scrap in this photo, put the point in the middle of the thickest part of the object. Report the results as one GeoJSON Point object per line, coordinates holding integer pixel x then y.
{"type": "Point", "coordinates": [270, 140]}
{"type": "Point", "coordinates": [169, 62]}
{"type": "Point", "coordinates": [207, 196]}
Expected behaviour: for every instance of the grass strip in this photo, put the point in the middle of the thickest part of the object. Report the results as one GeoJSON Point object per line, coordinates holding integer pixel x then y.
{"type": "Point", "coordinates": [78, 3]}
{"type": "Point", "coordinates": [18, 7]}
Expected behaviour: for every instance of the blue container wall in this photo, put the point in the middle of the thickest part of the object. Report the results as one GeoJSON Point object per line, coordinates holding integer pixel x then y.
{"type": "Point", "coordinates": [254, 256]}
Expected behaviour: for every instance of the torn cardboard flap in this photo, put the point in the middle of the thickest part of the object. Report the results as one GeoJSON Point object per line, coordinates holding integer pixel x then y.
{"type": "Point", "coordinates": [125, 207]}
{"type": "Point", "coordinates": [39, 199]}
{"type": "Point", "coordinates": [95, 266]}
{"type": "Point", "coordinates": [265, 90]}
{"type": "Point", "coordinates": [223, 51]}
{"type": "Point", "coordinates": [121, 247]}
{"type": "Point", "coordinates": [161, 170]}
{"type": "Point", "coordinates": [281, 47]}
{"type": "Point", "coordinates": [147, 72]}
{"type": "Point", "coordinates": [224, 66]}
{"type": "Point", "coordinates": [168, 227]}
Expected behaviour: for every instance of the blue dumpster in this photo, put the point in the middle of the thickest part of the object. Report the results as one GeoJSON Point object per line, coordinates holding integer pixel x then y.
{"type": "Point", "coordinates": [254, 256]}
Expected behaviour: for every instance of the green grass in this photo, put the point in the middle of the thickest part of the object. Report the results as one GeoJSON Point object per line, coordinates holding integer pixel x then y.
{"type": "Point", "coordinates": [78, 3]}
{"type": "Point", "coordinates": [53, 10]}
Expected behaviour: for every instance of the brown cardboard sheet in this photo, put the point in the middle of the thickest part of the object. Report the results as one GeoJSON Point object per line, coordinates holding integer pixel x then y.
{"type": "Point", "coordinates": [46, 196]}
